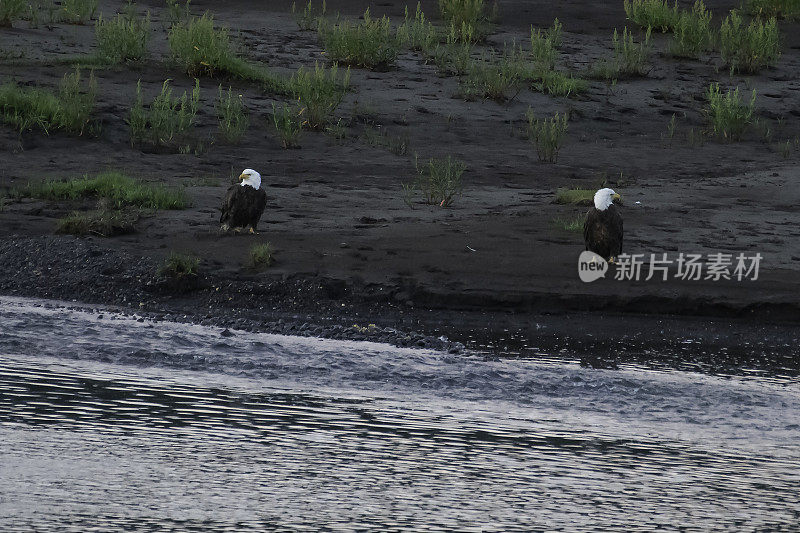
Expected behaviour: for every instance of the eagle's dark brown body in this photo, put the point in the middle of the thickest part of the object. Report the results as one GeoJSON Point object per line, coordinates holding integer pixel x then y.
{"type": "Point", "coordinates": [243, 206]}
{"type": "Point", "coordinates": [602, 232]}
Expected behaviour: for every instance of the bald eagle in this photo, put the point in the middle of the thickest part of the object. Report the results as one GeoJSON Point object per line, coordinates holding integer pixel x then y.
{"type": "Point", "coordinates": [244, 203]}
{"type": "Point", "coordinates": [602, 231]}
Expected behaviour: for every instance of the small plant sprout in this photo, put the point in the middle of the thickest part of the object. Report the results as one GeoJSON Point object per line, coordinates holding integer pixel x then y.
{"type": "Point", "coordinates": [547, 135]}
{"type": "Point", "coordinates": [232, 115]}
{"type": "Point", "coordinates": [630, 58]}
{"type": "Point", "coordinates": [748, 48]}
{"type": "Point", "coordinates": [671, 127]}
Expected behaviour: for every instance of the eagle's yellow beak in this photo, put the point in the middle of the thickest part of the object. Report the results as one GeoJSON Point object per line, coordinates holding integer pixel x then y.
{"type": "Point", "coordinates": [616, 197]}
{"type": "Point", "coordinates": [242, 176]}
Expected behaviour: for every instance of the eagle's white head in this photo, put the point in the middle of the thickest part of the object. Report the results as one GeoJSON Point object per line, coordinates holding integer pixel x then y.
{"type": "Point", "coordinates": [251, 177]}
{"type": "Point", "coordinates": [604, 198]}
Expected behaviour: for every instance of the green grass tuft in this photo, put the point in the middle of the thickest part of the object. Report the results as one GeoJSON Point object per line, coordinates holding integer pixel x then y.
{"type": "Point", "coordinates": [729, 115]}
{"type": "Point", "coordinates": [11, 10]}
{"type": "Point", "coordinates": [260, 256]}
{"type": "Point", "coordinates": [167, 119]}
{"type": "Point", "coordinates": [319, 92]}
{"type": "Point", "coordinates": [786, 9]}
{"type": "Point", "coordinates": [438, 180]}
{"type": "Point", "coordinates": [468, 19]}
{"type": "Point", "coordinates": [693, 32]}
{"type": "Point", "coordinates": [570, 224]}
{"type": "Point", "coordinates": [398, 145]}
{"type": "Point", "coordinates": [370, 43]}
{"type": "Point", "coordinates": [288, 123]}
{"type": "Point", "coordinates": [583, 197]}
{"type": "Point", "coordinates": [116, 188]}
{"type": "Point", "coordinates": [557, 83]}
{"type": "Point", "coordinates": [494, 76]}
{"type": "Point", "coordinates": [656, 14]}
{"type": "Point", "coordinates": [123, 38]}
{"type": "Point", "coordinates": [630, 58]}
{"type": "Point", "coordinates": [308, 19]}
{"type": "Point", "coordinates": [547, 135]}
{"type": "Point", "coordinates": [454, 57]}
{"type": "Point", "coordinates": [544, 46]}
{"type": "Point", "coordinates": [77, 11]}
{"type": "Point", "coordinates": [179, 265]}
{"type": "Point", "coordinates": [232, 115]}
{"type": "Point", "coordinates": [101, 222]}
{"type": "Point", "coordinates": [417, 33]}
{"type": "Point", "coordinates": [748, 48]}
{"type": "Point", "coordinates": [31, 108]}
{"type": "Point", "coordinates": [200, 48]}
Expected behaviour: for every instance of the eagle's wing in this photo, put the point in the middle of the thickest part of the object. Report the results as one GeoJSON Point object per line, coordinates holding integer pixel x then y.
{"type": "Point", "coordinates": [228, 202]}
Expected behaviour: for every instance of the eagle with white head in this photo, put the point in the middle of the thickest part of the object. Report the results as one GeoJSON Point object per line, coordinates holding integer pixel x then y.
{"type": "Point", "coordinates": [244, 203]}
{"type": "Point", "coordinates": [602, 231]}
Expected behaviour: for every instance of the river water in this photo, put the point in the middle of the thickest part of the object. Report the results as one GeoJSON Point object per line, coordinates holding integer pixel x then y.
{"type": "Point", "coordinates": [110, 423]}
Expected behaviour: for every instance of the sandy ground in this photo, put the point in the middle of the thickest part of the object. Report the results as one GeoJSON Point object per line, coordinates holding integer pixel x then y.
{"type": "Point", "coordinates": [335, 209]}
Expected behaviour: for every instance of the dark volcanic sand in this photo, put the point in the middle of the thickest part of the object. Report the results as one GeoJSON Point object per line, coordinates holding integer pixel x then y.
{"type": "Point", "coordinates": [346, 241]}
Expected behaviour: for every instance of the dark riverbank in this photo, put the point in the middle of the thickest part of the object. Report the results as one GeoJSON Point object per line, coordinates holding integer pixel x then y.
{"type": "Point", "coordinates": [756, 337]}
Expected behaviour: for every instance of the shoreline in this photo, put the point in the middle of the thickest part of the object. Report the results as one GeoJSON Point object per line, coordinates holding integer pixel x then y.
{"type": "Point", "coordinates": [86, 272]}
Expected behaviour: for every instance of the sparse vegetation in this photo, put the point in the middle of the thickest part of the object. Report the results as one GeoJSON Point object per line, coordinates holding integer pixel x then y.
{"type": "Point", "coordinates": [570, 224]}
{"type": "Point", "coordinates": [693, 32]}
{"type": "Point", "coordinates": [319, 92]}
{"type": "Point", "coordinates": [493, 77]}
{"type": "Point", "coordinates": [102, 222]}
{"type": "Point", "coordinates": [288, 123]}
{"type": "Point", "coordinates": [417, 33]}
{"type": "Point", "coordinates": [117, 189]}
{"type": "Point", "coordinates": [308, 19]}
{"type": "Point", "coordinates": [544, 46]}
{"type": "Point", "coordinates": [454, 57]}
{"type": "Point", "coordinates": [203, 50]}
{"type": "Point", "coordinates": [788, 9]}
{"type": "Point", "coordinates": [177, 12]}
{"type": "Point", "coordinates": [728, 114]}
{"type": "Point", "coordinates": [69, 109]}
{"type": "Point", "coordinates": [438, 180]}
{"type": "Point", "coordinates": [78, 11]}
{"type": "Point", "coordinates": [123, 38]}
{"type": "Point", "coordinates": [200, 47]}
{"type": "Point", "coordinates": [179, 265]}
{"type": "Point", "coordinates": [370, 43]}
{"type": "Point", "coordinates": [11, 10]}
{"type": "Point", "coordinates": [260, 256]}
{"type": "Point", "coordinates": [232, 115]}
{"type": "Point", "coordinates": [630, 58]}
{"type": "Point", "coordinates": [656, 14]}
{"type": "Point", "coordinates": [468, 19]}
{"type": "Point", "coordinates": [547, 135]}
{"type": "Point", "coordinates": [398, 145]}
{"type": "Point", "coordinates": [557, 83]}
{"type": "Point", "coordinates": [167, 119]}
{"type": "Point", "coordinates": [749, 48]}
{"type": "Point", "coordinates": [582, 197]}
